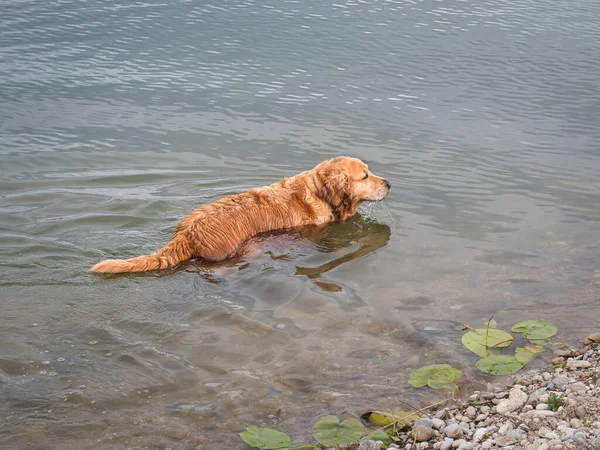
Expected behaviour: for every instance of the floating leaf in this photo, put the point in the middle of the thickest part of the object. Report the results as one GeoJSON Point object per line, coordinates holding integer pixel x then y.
{"type": "Point", "coordinates": [471, 340]}
{"type": "Point", "coordinates": [534, 348]}
{"type": "Point", "coordinates": [266, 438]}
{"type": "Point", "coordinates": [402, 419]}
{"type": "Point", "coordinates": [499, 364]}
{"type": "Point", "coordinates": [379, 418]}
{"type": "Point", "coordinates": [535, 330]}
{"type": "Point", "coordinates": [525, 355]}
{"type": "Point", "coordinates": [491, 323]}
{"type": "Point", "coordinates": [377, 435]}
{"type": "Point", "coordinates": [329, 431]}
{"type": "Point", "coordinates": [481, 340]}
{"type": "Point", "coordinates": [436, 376]}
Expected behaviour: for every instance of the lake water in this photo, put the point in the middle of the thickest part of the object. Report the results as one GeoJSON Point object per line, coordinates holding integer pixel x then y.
{"type": "Point", "coordinates": [118, 118]}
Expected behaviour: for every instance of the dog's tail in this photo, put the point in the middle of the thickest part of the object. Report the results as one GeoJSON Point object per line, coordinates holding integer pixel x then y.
{"type": "Point", "coordinates": [174, 252]}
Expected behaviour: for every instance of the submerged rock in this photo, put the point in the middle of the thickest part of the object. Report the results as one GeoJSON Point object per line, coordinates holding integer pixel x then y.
{"type": "Point", "coordinates": [175, 431]}
{"type": "Point", "coordinates": [592, 339]}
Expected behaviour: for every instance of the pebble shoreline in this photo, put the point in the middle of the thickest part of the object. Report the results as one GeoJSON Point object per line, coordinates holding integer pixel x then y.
{"type": "Point", "coordinates": [517, 416]}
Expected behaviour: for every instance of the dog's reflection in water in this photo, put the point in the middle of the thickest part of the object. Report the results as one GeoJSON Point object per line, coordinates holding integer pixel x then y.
{"type": "Point", "coordinates": [335, 245]}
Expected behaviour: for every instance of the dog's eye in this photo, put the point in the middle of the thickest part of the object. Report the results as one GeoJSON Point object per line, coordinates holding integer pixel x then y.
{"type": "Point", "coordinates": [366, 176]}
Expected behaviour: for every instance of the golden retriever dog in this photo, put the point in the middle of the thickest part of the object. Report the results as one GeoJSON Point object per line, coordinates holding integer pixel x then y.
{"type": "Point", "coordinates": [331, 192]}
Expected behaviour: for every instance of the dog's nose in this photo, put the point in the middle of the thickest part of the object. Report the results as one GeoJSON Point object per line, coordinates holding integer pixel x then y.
{"type": "Point", "coordinates": [388, 183]}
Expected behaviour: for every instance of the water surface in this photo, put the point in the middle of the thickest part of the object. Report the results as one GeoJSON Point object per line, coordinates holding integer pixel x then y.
{"type": "Point", "coordinates": [117, 119]}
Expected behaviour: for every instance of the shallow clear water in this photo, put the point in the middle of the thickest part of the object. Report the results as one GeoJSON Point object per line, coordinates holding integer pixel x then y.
{"type": "Point", "coordinates": [117, 119]}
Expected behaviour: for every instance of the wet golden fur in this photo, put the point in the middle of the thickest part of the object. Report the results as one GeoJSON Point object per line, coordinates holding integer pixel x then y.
{"type": "Point", "coordinates": [330, 192]}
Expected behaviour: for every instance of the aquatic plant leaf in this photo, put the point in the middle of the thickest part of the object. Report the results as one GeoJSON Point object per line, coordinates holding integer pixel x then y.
{"type": "Point", "coordinates": [499, 364]}
{"type": "Point", "coordinates": [377, 435]}
{"type": "Point", "coordinates": [525, 355]}
{"type": "Point", "coordinates": [379, 418]}
{"type": "Point", "coordinates": [491, 323]}
{"type": "Point", "coordinates": [472, 341]}
{"type": "Point", "coordinates": [402, 419]}
{"type": "Point", "coordinates": [329, 431]}
{"type": "Point", "coordinates": [534, 348]}
{"type": "Point", "coordinates": [539, 342]}
{"type": "Point", "coordinates": [266, 438]}
{"type": "Point", "coordinates": [436, 376]}
{"type": "Point", "coordinates": [535, 330]}
{"type": "Point", "coordinates": [481, 340]}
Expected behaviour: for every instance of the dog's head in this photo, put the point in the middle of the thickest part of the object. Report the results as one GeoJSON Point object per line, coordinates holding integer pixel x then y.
{"type": "Point", "coordinates": [344, 183]}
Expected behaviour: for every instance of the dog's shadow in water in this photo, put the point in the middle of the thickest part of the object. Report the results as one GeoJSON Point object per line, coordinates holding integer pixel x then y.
{"type": "Point", "coordinates": [360, 235]}
{"type": "Point", "coordinates": [350, 240]}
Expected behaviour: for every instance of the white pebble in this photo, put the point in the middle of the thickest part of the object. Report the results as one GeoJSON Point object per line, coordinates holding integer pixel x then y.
{"type": "Point", "coordinates": [576, 364]}
{"type": "Point", "coordinates": [437, 423]}
{"type": "Point", "coordinates": [515, 401]}
{"type": "Point", "coordinates": [458, 443]}
{"type": "Point", "coordinates": [453, 431]}
{"type": "Point", "coordinates": [546, 413]}
{"type": "Point", "coordinates": [485, 445]}
{"type": "Point", "coordinates": [576, 423]}
{"type": "Point", "coordinates": [479, 434]}
{"type": "Point", "coordinates": [447, 444]}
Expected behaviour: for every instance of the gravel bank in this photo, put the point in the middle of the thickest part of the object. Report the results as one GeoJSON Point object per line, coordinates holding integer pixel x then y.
{"type": "Point", "coordinates": [556, 409]}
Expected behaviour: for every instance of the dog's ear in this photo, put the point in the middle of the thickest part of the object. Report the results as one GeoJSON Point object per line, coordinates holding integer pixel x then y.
{"type": "Point", "coordinates": [335, 191]}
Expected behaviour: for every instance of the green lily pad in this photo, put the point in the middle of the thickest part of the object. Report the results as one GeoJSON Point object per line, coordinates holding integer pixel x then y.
{"type": "Point", "coordinates": [266, 438]}
{"type": "Point", "coordinates": [535, 330]}
{"type": "Point", "coordinates": [526, 354]}
{"type": "Point", "coordinates": [330, 432]}
{"type": "Point", "coordinates": [499, 364]}
{"type": "Point", "coordinates": [377, 435]}
{"type": "Point", "coordinates": [539, 342]}
{"type": "Point", "coordinates": [436, 376]}
{"type": "Point", "coordinates": [480, 341]}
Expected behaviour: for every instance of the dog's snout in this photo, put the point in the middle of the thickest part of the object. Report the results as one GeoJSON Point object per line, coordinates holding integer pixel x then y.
{"type": "Point", "coordinates": [388, 183]}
